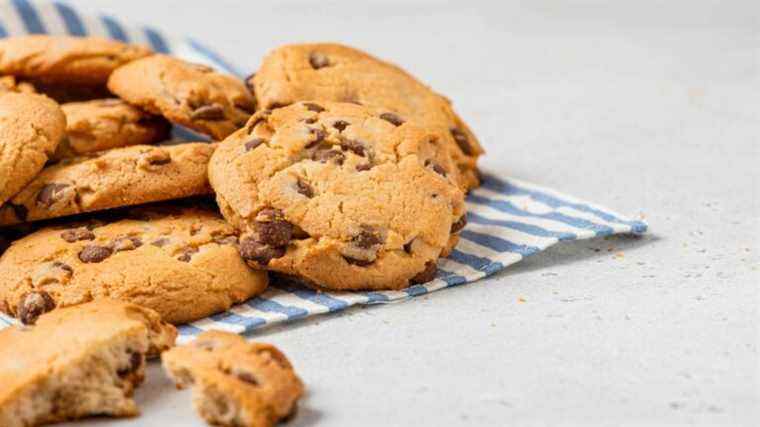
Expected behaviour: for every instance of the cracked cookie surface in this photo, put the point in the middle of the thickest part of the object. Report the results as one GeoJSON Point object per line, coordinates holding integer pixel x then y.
{"type": "Point", "coordinates": [235, 383]}
{"type": "Point", "coordinates": [334, 72]}
{"type": "Point", "coordinates": [110, 179]}
{"type": "Point", "coordinates": [192, 95]}
{"type": "Point", "coordinates": [66, 59]}
{"type": "Point", "coordinates": [103, 124]}
{"type": "Point", "coordinates": [31, 127]}
{"type": "Point", "coordinates": [338, 195]}
{"type": "Point", "coordinates": [77, 362]}
{"type": "Point", "coordinates": [181, 262]}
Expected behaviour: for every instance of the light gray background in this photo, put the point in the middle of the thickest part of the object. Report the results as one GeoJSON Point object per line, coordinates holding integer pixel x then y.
{"type": "Point", "coordinates": [648, 107]}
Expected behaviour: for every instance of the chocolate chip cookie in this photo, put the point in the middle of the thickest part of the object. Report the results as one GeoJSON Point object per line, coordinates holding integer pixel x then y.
{"type": "Point", "coordinates": [192, 95]}
{"type": "Point", "coordinates": [108, 123]}
{"type": "Point", "coordinates": [77, 362]}
{"type": "Point", "coordinates": [235, 383]}
{"type": "Point", "coordinates": [340, 195]}
{"type": "Point", "coordinates": [65, 59]}
{"type": "Point", "coordinates": [182, 262]}
{"type": "Point", "coordinates": [339, 73]}
{"type": "Point", "coordinates": [31, 126]}
{"type": "Point", "coordinates": [110, 179]}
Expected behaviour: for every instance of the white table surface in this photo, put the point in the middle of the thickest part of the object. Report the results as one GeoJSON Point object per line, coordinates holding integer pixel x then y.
{"type": "Point", "coordinates": [648, 107]}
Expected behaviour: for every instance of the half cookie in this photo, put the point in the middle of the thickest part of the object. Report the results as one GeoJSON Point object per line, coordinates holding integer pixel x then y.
{"type": "Point", "coordinates": [181, 262]}
{"type": "Point", "coordinates": [77, 362]}
{"type": "Point", "coordinates": [235, 383]}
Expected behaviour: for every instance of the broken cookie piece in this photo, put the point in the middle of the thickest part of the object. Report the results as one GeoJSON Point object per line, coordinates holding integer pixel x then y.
{"type": "Point", "coordinates": [78, 361]}
{"type": "Point", "coordinates": [235, 383]}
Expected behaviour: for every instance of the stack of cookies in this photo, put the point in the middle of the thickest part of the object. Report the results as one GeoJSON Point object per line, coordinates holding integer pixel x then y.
{"type": "Point", "coordinates": [329, 168]}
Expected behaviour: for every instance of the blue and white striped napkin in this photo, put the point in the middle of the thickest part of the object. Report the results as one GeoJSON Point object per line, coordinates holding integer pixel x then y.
{"type": "Point", "coordinates": [508, 219]}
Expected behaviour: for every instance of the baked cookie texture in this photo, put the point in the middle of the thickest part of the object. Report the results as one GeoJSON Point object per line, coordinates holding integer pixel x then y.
{"type": "Point", "coordinates": [339, 195]}
{"type": "Point", "coordinates": [110, 179]}
{"type": "Point", "coordinates": [103, 124]}
{"type": "Point", "coordinates": [333, 72]}
{"type": "Point", "coordinates": [182, 262]}
{"type": "Point", "coordinates": [235, 383]}
{"type": "Point", "coordinates": [66, 59]}
{"type": "Point", "coordinates": [11, 84]}
{"type": "Point", "coordinates": [192, 95]}
{"type": "Point", "coordinates": [31, 126]}
{"type": "Point", "coordinates": [78, 361]}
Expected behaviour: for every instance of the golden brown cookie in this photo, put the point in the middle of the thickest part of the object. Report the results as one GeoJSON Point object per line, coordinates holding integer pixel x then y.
{"type": "Point", "coordinates": [110, 179]}
{"type": "Point", "coordinates": [31, 126]}
{"type": "Point", "coordinates": [235, 383]}
{"type": "Point", "coordinates": [338, 195]}
{"type": "Point", "coordinates": [77, 362]}
{"type": "Point", "coordinates": [65, 59]}
{"type": "Point", "coordinates": [181, 262]}
{"type": "Point", "coordinates": [334, 72]}
{"type": "Point", "coordinates": [192, 95]}
{"type": "Point", "coordinates": [108, 123]}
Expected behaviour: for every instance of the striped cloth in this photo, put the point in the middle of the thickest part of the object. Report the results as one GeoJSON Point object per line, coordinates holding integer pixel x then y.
{"type": "Point", "coordinates": [508, 219]}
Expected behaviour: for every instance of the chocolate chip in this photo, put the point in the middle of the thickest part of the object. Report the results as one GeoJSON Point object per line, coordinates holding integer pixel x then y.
{"type": "Point", "coordinates": [355, 147]}
{"type": "Point", "coordinates": [310, 120]}
{"type": "Point", "coordinates": [319, 136]}
{"type": "Point", "coordinates": [20, 211]}
{"type": "Point", "coordinates": [408, 246]}
{"type": "Point", "coordinates": [326, 155]}
{"type": "Point", "coordinates": [76, 234]}
{"type": "Point", "coordinates": [158, 158]}
{"type": "Point", "coordinates": [364, 167]}
{"type": "Point", "coordinates": [160, 243]}
{"type": "Point", "coordinates": [208, 112]}
{"type": "Point", "coordinates": [50, 194]}
{"type": "Point", "coordinates": [94, 253]}
{"type": "Point", "coordinates": [392, 118]}
{"type": "Point", "coordinates": [459, 224]}
{"type": "Point", "coordinates": [251, 250]}
{"type": "Point", "coordinates": [126, 244]}
{"type": "Point", "coordinates": [425, 275]}
{"type": "Point", "coordinates": [247, 377]}
{"type": "Point", "coordinates": [255, 142]}
{"type": "Point", "coordinates": [272, 228]}
{"type": "Point", "coordinates": [341, 125]}
{"type": "Point", "coordinates": [135, 361]}
{"type": "Point", "coordinates": [462, 141]}
{"type": "Point", "coordinates": [63, 266]}
{"type": "Point", "coordinates": [304, 188]}
{"type": "Point", "coordinates": [187, 254]}
{"type": "Point", "coordinates": [32, 305]}
{"type": "Point", "coordinates": [313, 107]}
{"type": "Point", "coordinates": [368, 237]}
{"type": "Point", "coordinates": [357, 262]}
{"type": "Point", "coordinates": [436, 167]}
{"type": "Point", "coordinates": [318, 60]}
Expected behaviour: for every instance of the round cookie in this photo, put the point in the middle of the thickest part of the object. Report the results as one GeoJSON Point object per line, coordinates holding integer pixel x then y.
{"type": "Point", "coordinates": [235, 383]}
{"type": "Point", "coordinates": [65, 59]}
{"type": "Point", "coordinates": [334, 72]}
{"type": "Point", "coordinates": [338, 195]}
{"type": "Point", "coordinates": [190, 94]}
{"type": "Point", "coordinates": [108, 123]}
{"type": "Point", "coordinates": [31, 126]}
{"type": "Point", "coordinates": [110, 179]}
{"type": "Point", "coordinates": [181, 262]}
